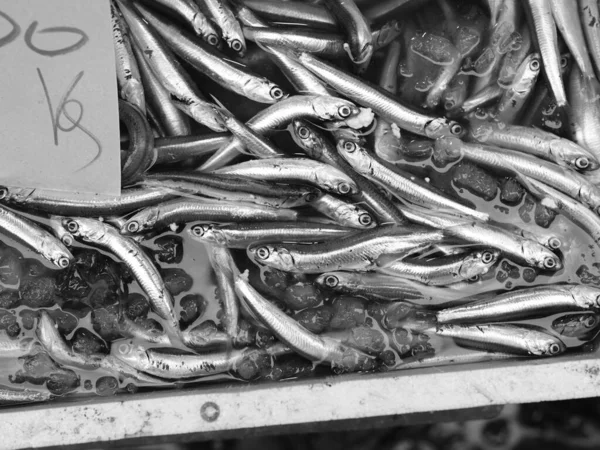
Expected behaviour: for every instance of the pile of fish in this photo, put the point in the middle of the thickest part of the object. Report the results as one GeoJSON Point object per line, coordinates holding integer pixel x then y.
{"type": "Point", "coordinates": [319, 187]}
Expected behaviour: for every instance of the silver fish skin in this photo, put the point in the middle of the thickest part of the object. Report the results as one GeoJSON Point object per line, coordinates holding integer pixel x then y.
{"type": "Point", "coordinates": [302, 170]}
{"type": "Point", "coordinates": [513, 59]}
{"type": "Point", "coordinates": [184, 211]}
{"type": "Point", "coordinates": [581, 326]}
{"type": "Point", "coordinates": [494, 6]}
{"type": "Point", "coordinates": [51, 340]}
{"type": "Point", "coordinates": [441, 360]}
{"type": "Point", "coordinates": [566, 16]}
{"type": "Point", "coordinates": [358, 31]}
{"type": "Point", "coordinates": [173, 120]}
{"type": "Point", "coordinates": [400, 184]}
{"type": "Point", "coordinates": [536, 142]}
{"type": "Point", "coordinates": [577, 213]}
{"type": "Point", "coordinates": [178, 148]}
{"type": "Point", "coordinates": [589, 11]}
{"type": "Point", "coordinates": [545, 29]}
{"type": "Point", "coordinates": [127, 250]}
{"type": "Point", "coordinates": [523, 304]}
{"type": "Point", "coordinates": [445, 76]}
{"type": "Point", "coordinates": [182, 90]}
{"type": "Point", "coordinates": [223, 267]}
{"type": "Point", "coordinates": [36, 238]}
{"type": "Point", "coordinates": [345, 213]}
{"type": "Point", "coordinates": [193, 16]}
{"type": "Point", "coordinates": [221, 14]}
{"type": "Point", "coordinates": [443, 271]}
{"type": "Point", "coordinates": [584, 96]}
{"type": "Point", "coordinates": [206, 336]}
{"type": "Point", "coordinates": [130, 329]}
{"type": "Point", "coordinates": [456, 94]}
{"type": "Point", "coordinates": [515, 97]}
{"type": "Point", "coordinates": [125, 372]}
{"type": "Point", "coordinates": [16, 348]}
{"type": "Point", "coordinates": [316, 348]}
{"type": "Point", "coordinates": [176, 365]}
{"type": "Point", "coordinates": [507, 338]}
{"type": "Point", "coordinates": [241, 235]}
{"type": "Point", "coordinates": [315, 16]}
{"type": "Point", "coordinates": [317, 107]}
{"type": "Point", "coordinates": [13, 396]}
{"type": "Point", "coordinates": [358, 251]}
{"type": "Point", "coordinates": [232, 77]}
{"type": "Point", "coordinates": [485, 96]}
{"type": "Point", "coordinates": [515, 247]}
{"type": "Point", "coordinates": [128, 73]}
{"type": "Point", "coordinates": [323, 43]}
{"type": "Point", "coordinates": [379, 101]}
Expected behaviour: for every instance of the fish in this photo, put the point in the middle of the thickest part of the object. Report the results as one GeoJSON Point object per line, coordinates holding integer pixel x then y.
{"type": "Point", "coordinates": [129, 328]}
{"type": "Point", "coordinates": [482, 98]}
{"type": "Point", "coordinates": [139, 264]}
{"type": "Point", "coordinates": [344, 213]}
{"type": "Point", "coordinates": [128, 73]}
{"type": "Point", "coordinates": [515, 97]}
{"type": "Point", "coordinates": [224, 266]}
{"type": "Point", "coordinates": [183, 92]}
{"type": "Point", "coordinates": [241, 235]}
{"type": "Point", "coordinates": [580, 326]}
{"type": "Point", "coordinates": [509, 338]}
{"type": "Point", "coordinates": [443, 271]}
{"type": "Point", "coordinates": [34, 237]}
{"type": "Point", "coordinates": [320, 349]}
{"type": "Point", "coordinates": [315, 16]}
{"type": "Point", "coordinates": [179, 211]}
{"type": "Point", "coordinates": [14, 396]}
{"type": "Point", "coordinates": [523, 304]}
{"type": "Point", "coordinates": [445, 75]}
{"type": "Point", "coordinates": [589, 13]}
{"type": "Point", "coordinates": [301, 170]}
{"type": "Point", "coordinates": [181, 147]}
{"type": "Point", "coordinates": [207, 336]}
{"type": "Point", "coordinates": [16, 347]}
{"type": "Point", "coordinates": [220, 13]}
{"type": "Point", "coordinates": [358, 251]}
{"type": "Point", "coordinates": [400, 183]}
{"type": "Point", "coordinates": [584, 115]}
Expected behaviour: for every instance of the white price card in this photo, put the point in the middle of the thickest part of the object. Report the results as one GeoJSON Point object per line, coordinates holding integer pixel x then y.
{"type": "Point", "coordinates": [59, 123]}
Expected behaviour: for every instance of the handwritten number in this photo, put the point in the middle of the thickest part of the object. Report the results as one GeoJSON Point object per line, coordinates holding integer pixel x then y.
{"type": "Point", "coordinates": [61, 51]}
{"type": "Point", "coordinates": [13, 34]}
{"type": "Point", "coordinates": [61, 111]}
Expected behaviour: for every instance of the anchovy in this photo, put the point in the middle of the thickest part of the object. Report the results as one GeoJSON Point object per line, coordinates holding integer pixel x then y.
{"type": "Point", "coordinates": [589, 12]}
{"type": "Point", "coordinates": [358, 251]}
{"type": "Point", "coordinates": [288, 331]}
{"type": "Point", "coordinates": [581, 326]}
{"type": "Point", "coordinates": [130, 329]}
{"type": "Point", "coordinates": [33, 236]}
{"type": "Point", "coordinates": [523, 304]}
{"type": "Point", "coordinates": [456, 94]}
{"type": "Point", "coordinates": [129, 200]}
{"type": "Point", "coordinates": [379, 101]}
{"type": "Point", "coordinates": [301, 170]}
{"type": "Point", "coordinates": [434, 360]}
{"type": "Point", "coordinates": [223, 17]}
{"type": "Point", "coordinates": [345, 213]}
{"type": "Point", "coordinates": [399, 183]}
{"type": "Point", "coordinates": [140, 265]}
{"type": "Point", "coordinates": [443, 271]}
{"type": "Point", "coordinates": [12, 396]}
{"type": "Point", "coordinates": [508, 338]}
{"type": "Point", "coordinates": [302, 13]}
{"type": "Point", "coordinates": [183, 211]}
{"type": "Point", "coordinates": [358, 32]}
{"type": "Point", "coordinates": [485, 96]}
{"type": "Point", "coordinates": [494, 6]}
{"type": "Point", "coordinates": [16, 347]}
{"type": "Point", "coordinates": [232, 77]}
{"type": "Point", "coordinates": [513, 59]}
{"type": "Point", "coordinates": [241, 235]}
{"type": "Point", "coordinates": [128, 74]}
{"type": "Point", "coordinates": [195, 18]}
{"type": "Point", "coordinates": [547, 39]}
{"type": "Point", "coordinates": [446, 74]}
{"type": "Point", "coordinates": [182, 147]}
{"type": "Point", "coordinates": [206, 336]}
{"type": "Point", "coordinates": [584, 96]}
{"type": "Point", "coordinates": [183, 91]}
{"type": "Point", "coordinates": [223, 266]}
{"type": "Point", "coordinates": [515, 97]}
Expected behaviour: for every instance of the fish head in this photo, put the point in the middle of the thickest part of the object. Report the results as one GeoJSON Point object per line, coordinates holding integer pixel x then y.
{"type": "Point", "coordinates": [589, 195]}
{"type": "Point", "coordinates": [331, 280]}
{"type": "Point", "coordinates": [130, 353]}
{"type": "Point", "coordinates": [263, 90]}
{"type": "Point", "coordinates": [208, 233]}
{"type": "Point", "coordinates": [387, 33]}
{"type": "Point", "coordinates": [308, 138]}
{"type": "Point", "coordinates": [539, 256]}
{"type": "Point", "coordinates": [576, 325]}
{"type": "Point", "coordinates": [441, 127]}
{"type": "Point", "coordinates": [576, 156]}
{"type": "Point", "coordinates": [328, 108]}
{"type": "Point", "coordinates": [354, 216]}
{"type": "Point", "coordinates": [142, 221]}
{"type": "Point", "coordinates": [545, 345]}
{"type": "Point", "coordinates": [55, 252]}
{"type": "Point", "coordinates": [88, 230]}
{"type": "Point", "coordinates": [446, 150]}
{"type": "Point", "coordinates": [334, 180]}
{"type": "Point", "coordinates": [355, 155]}
{"type": "Point", "coordinates": [275, 256]}
{"type": "Point", "coordinates": [46, 330]}
{"type": "Point", "coordinates": [478, 263]}
{"type": "Point", "coordinates": [586, 296]}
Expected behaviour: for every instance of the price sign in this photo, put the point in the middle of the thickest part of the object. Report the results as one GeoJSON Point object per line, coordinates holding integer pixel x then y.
{"type": "Point", "coordinates": [59, 125]}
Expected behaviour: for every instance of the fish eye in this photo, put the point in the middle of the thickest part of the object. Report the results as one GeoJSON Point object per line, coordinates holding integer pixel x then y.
{"type": "Point", "coordinates": [133, 226]}
{"type": "Point", "coordinates": [582, 163]}
{"type": "Point", "coordinates": [449, 104]}
{"type": "Point", "coordinates": [456, 129]}
{"type": "Point", "coordinates": [213, 39]}
{"type": "Point", "coordinates": [487, 257]}
{"type": "Point", "coordinates": [331, 281]}
{"type": "Point", "coordinates": [365, 219]}
{"type": "Point", "coordinates": [63, 262]}
{"type": "Point", "coordinates": [310, 197]}
{"type": "Point", "coordinates": [349, 146]}
{"type": "Point", "coordinates": [534, 64]}
{"type": "Point", "coordinates": [344, 188]}
{"type": "Point", "coordinates": [598, 301]}
{"type": "Point", "coordinates": [72, 226]}
{"type": "Point", "coordinates": [198, 230]}
{"type": "Point", "coordinates": [262, 253]}
{"type": "Point", "coordinates": [590, 322]}
{"type": "Point", "coordinates": [474, 278]}
{"type": "Point", "coordinates": [554, 243]}
{"type": "Point", "coordinates": [554, 349]}
{"type": "Point", "coordinates": [480, 114]}
{"type": "Point", "coordinates": [3, 193]}
{"type": "Point", "coordinates": [303, 132]}
{"type": "Point", "coordinates": [276, 93]}
{"type": "Point", "coordinates": [124, 348]}
{"type": "Point", "coordinates": [344, 111]}
{"type": "Point", "coordinates": [67, 240]}
{"type": "Point", "coordinates": [563, 62]}
{"type": "Point", "coordinates": [550, 262]}
{"type": "Point", "coordinates": [237, 46]}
